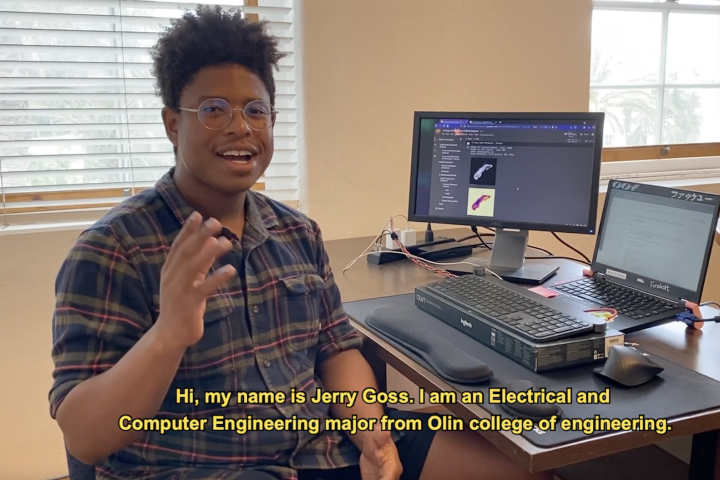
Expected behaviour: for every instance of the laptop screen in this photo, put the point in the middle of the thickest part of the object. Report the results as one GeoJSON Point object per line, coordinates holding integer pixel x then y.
{"type": "Point", "coordinates": [657, 239]}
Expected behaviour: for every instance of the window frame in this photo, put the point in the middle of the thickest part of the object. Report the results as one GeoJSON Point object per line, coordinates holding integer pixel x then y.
{"type": "Point", "coordinates": [660, 150]}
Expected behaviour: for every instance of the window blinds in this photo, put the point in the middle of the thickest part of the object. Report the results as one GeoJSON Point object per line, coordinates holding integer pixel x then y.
{"type": "Point", "coordinates": [80, 124]}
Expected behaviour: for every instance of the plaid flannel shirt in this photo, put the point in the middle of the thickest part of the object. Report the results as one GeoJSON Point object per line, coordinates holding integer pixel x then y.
{"type": "Point", "coordinates": [266, 331]}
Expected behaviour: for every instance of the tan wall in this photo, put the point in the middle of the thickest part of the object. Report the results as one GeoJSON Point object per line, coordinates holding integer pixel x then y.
{"type": "Point", "coordinates": [369, 65]}
{"type": "Point", "coordinates": [31, 446]}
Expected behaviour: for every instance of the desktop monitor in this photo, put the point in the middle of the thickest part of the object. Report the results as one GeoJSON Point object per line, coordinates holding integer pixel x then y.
{"type": "Point", "coordinates": [515, 172]}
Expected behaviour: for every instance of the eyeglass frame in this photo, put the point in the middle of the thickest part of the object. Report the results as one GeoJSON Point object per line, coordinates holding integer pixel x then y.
{"type": "Point", "coordinates": [273, 114]}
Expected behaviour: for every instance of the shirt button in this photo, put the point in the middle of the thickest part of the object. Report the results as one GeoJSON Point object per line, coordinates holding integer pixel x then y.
{"type": "Point", "coordinates": [266, 363]}
{"type": "Point", "coordinates": [255, 309]}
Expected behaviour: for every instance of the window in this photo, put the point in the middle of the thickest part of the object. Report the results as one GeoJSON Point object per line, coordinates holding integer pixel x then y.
{"type": "Point", "coordinates": [80, 124]}
{"type": "Point", "coordinates": [655, 71]}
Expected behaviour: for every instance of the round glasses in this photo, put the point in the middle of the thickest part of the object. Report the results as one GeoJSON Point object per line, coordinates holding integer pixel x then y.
{"type": "Point", "coordinates": [216, 114]}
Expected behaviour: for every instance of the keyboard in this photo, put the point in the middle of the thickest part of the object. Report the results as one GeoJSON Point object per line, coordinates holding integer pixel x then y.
{"type": "Point", "coordinates": [626, 301]}
{"type": "Point", "coordinates": [515, 312]}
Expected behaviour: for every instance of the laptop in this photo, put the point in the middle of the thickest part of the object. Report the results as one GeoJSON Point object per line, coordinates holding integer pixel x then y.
{"type": "Point", "coordinates": [651, 255]}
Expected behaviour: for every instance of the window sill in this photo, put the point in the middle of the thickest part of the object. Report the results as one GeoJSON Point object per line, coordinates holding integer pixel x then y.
{"type": "Point", "coordinates": [62, 221]}
{"type": "Point", "coordinates": [15, 229]}
{"type": "Point", "coordinates": [671, 172]}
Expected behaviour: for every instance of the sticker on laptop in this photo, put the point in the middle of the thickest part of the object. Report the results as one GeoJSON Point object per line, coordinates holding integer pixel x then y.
{"type": "Point", "coordinates": [607, 314]}
{"type": "Point", "coordinates": [616, 274]}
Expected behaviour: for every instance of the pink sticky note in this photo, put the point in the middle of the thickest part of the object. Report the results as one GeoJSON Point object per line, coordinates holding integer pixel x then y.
{"type": "Point", "coordinates": [545, 292]}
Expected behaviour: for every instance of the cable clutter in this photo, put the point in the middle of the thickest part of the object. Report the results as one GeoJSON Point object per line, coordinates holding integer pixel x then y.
{"type": "Point", "coordinates": [389, 240]}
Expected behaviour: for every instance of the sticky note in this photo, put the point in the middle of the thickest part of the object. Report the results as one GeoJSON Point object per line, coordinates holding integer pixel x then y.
{"type": "Point", "coordinates": [545, 292]}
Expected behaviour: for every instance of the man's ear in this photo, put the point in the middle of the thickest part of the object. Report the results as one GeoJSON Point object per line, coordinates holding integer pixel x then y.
{"type": "Point", "coordinates": [171, 119]}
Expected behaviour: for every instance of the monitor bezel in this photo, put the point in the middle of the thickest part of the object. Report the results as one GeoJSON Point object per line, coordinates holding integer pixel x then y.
{"type": "Point", "coordinates": [597, 117]}
{"type": "Point", "coordinates": [675, 292]}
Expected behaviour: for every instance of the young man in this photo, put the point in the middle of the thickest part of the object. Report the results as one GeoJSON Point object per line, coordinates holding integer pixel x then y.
{"type": "Point", "coordinates": [200, 285]}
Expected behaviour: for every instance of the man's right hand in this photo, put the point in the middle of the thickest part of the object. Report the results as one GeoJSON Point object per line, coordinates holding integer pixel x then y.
{"type": "Point", "coordinates": [184, 281]}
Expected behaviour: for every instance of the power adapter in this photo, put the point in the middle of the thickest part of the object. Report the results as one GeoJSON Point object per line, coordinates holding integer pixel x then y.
{"type": "Point", "coordinates": [390, 242]}
{"type": "Point", "coordinates": [408, 237]}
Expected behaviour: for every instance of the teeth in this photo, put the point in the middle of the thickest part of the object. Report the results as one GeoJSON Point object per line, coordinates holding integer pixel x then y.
{"type": "Point", "coordinates": [237, 153]}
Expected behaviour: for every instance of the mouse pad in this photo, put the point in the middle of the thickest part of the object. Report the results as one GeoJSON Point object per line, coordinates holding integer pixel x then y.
{"type": "Point", "coordinates": [675, 392]}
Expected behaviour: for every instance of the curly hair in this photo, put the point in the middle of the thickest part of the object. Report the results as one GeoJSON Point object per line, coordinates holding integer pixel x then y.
{"type": "Point", "coordinates": [210, 36]}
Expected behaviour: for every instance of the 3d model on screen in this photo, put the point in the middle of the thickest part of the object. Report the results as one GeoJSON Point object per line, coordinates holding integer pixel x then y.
{"type": "Point", "coordinates": [482, 170]}
{"type": "Point", "coordinates": [479, 201]}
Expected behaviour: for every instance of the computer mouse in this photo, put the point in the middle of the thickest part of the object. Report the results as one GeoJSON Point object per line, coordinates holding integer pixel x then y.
{"type": "Point", "coordinates": [628, 367]}
{"type": "Point", "coordinates": [533, 411]}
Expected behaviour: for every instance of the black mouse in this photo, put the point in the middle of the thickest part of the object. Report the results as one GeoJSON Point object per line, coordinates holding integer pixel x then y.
{"type": "Point", "coordinates": [628, 367]}
{"type": "Point", "coordinates": [533, 411]}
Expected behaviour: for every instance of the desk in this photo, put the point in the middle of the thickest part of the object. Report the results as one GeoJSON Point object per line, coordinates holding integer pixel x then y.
{"type": "Point", "coordinates": [694, 349]}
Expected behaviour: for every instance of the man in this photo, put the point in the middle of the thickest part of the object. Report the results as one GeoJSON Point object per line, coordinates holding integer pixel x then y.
{"type": "Point", "coordinates": [199, 288]}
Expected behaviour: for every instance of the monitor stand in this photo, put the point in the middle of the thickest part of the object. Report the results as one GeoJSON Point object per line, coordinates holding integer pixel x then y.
{"type": "Point", "coordinates": [508, 259]}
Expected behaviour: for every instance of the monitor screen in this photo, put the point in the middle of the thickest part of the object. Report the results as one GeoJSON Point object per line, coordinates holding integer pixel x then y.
{"type": "Point", "coordinates": [529, 171]}
{"type": "Point", "coordinates": [656, 238]}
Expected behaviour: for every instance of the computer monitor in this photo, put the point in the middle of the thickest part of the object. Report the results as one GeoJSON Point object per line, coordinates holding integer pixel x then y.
{"type": "Point", "coordinates": [515, 172]}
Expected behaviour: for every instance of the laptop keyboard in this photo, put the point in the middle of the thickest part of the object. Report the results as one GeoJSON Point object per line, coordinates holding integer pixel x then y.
{"type": "Point", "coordinates": [626, 301]}
{"type": "Point", "coordinates": [520, 314]}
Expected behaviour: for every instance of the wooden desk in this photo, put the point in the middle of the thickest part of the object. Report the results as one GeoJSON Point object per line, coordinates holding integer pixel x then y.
{"type": "Point", "coordinates": [697, 350]}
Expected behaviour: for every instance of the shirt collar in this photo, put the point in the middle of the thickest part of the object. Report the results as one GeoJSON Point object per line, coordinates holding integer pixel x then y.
{"type": "Point", "coordinates": [258, 213]}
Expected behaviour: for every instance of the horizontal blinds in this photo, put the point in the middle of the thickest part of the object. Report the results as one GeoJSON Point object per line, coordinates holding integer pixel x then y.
{"type": "Point", "coordinates": [80, 123]}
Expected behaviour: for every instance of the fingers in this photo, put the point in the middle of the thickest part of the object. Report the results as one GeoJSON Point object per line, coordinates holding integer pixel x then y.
{"type": "Point", "coordinates": [194, 252]}
{"type": "Point", "coordinates": [381, 437]}
{"type": "Point", "coordinates": [215, 280]}
{"type": "Point", "coordinates": [197, 246]}
{"type": "Point", "coordinates": [188, 229]}
{"type": "Point", "coordinates": [204, 258]}
{"type": "Point", "coordinates": [194, 234]}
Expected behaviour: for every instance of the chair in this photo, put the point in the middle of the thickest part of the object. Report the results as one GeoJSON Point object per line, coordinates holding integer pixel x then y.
{"type": "Point", "coordinates": [78, 470]}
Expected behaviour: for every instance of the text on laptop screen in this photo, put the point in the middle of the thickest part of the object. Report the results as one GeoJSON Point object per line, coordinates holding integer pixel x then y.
{"type": "Point", "coordinates": [656, 237]}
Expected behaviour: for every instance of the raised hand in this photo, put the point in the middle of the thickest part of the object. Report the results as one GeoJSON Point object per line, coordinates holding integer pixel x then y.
{"type": "Point", "coordinates": [184, 281]}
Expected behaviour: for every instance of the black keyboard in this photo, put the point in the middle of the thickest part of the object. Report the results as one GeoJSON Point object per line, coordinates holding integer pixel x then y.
{"type": "Point", "coordinates": [509, 309]}
{"type": "Point", "coordinates": [626, 301]}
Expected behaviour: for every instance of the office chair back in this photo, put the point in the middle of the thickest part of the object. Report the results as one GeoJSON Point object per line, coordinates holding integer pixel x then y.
{"type": "Point", "coordinates": [78, 470]}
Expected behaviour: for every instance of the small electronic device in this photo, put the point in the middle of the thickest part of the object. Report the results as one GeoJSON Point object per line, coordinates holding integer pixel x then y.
{"type": "Point", "coordinates": [514, 172]}
{"type": "Point", "coordinates": [652, 254]}
{"type": "Point", "coordinates": [436, 250]}
{"type": "Point", "coordinates": [628, 367]}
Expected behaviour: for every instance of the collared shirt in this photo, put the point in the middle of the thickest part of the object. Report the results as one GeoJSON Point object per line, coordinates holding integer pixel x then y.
{"type": "Point", "coordinates": [266, 331]}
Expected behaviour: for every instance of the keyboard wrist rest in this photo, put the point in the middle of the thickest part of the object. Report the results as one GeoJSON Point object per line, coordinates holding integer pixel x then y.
{"type": "Point", "coordinates": [449, 362]}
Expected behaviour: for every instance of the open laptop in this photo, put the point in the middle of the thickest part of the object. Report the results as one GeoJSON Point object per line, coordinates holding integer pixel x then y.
{"type": "Point", "coordinates": [651, 256]}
